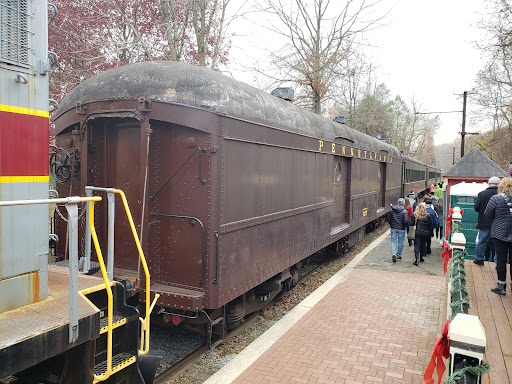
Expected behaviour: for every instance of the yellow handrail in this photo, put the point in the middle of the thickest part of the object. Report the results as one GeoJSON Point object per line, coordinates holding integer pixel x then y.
{"type": "Point", "coordinates": [145, 328]}
{"type": "Point", "coordinates": [144, 322]}
{"type": "Point", "coordinates": [110, 310]}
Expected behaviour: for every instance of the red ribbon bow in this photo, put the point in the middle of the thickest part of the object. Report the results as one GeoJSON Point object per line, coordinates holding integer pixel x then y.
{"type": "Point", "coordinates": [449, 222]}
{"type": "Point", "coordinates": [446, 255]}
{"type": "Point", "coordinates": [441, 349]}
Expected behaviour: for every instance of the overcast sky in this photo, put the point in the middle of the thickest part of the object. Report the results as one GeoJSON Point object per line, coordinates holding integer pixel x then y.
{"type": "Point", "coordinates": [426, 51]}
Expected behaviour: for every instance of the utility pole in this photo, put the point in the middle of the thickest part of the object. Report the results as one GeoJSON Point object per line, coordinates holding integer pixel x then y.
{"type": "Point", "coordinates": [463, 133]}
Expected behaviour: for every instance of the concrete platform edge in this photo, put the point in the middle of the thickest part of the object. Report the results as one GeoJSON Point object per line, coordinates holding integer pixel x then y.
{"type": "Point", "coordinates": [253, 351]}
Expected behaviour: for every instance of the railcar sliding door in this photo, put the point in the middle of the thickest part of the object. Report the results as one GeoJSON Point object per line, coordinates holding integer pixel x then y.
{"type": "Point", "coordinates": [340, 191]}
{"type": "Point", "coordinates": [382, 178]}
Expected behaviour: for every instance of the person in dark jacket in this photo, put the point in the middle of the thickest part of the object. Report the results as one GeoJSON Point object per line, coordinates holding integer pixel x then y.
{"type": "Point", "coordinates": [499, 210]}
{"type": "Point", "coordinates": [399, 223]}
{"type": "Point", "coordinates": [439, 230]}
{"type": "Point", "coordinates": [483, 223]}
{"type": "Point", "coordinates": [424, 228]}
{"type": "Point", "coordinates": [435, 222]}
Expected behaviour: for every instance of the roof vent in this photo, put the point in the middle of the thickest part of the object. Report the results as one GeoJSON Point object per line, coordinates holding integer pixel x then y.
{"type": "Point", "coordinates": [284, 93]}
{"type": "Point", "coordinates": [340, 119]}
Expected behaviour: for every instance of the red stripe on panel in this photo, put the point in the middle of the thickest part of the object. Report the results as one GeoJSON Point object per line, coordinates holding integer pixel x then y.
{"type": "Point", "coordinates": [23, 145]}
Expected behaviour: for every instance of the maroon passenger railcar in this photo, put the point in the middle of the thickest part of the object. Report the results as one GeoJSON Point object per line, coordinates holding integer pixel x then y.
{"type": "Point", "coordinates": [231, 188]}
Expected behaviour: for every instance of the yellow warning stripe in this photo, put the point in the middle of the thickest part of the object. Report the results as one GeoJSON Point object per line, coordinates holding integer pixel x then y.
{"type": "Point", "coordinates": [23, 179]}
{"type": "Point", "coordinates": [24, 111]}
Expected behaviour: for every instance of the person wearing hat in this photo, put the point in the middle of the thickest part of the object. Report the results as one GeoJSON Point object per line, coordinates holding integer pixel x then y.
{"type": "Point", "coordinates": [483, 223]}
{"type": "Point", "coordinates": [399, 222]}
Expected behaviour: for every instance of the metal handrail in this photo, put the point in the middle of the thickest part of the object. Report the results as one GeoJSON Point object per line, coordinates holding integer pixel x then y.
{"type": "Point", "coordinates": [144, 349]}
{"type": "Point", "coordinates": [145, 323]}
{"type": "Point", "coordinates": [110, 299]}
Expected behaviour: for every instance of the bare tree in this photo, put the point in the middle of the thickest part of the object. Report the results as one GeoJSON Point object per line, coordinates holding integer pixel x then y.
{"type": "Point", "coordinates": [320, 34]}
{"type": "Point", "coordinates": [208, 17]}
{"type": "Point", "coordinates": [494, 81]}
{"type": "Point", "coordinates": [175, 20]}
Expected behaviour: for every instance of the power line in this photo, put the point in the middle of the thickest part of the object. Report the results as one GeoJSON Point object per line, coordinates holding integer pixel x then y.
{"type": "Point", "coordinates": [428, 113]}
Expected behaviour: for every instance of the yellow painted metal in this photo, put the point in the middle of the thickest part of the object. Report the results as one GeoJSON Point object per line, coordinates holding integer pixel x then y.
{"type": "Point", "coordinates": [118, 367]}
{"type": "Point", "coordinates": [144, 348]}
{"type": "Point", "coordinates": [110, 309]}
{"type": "Point", "coordinates": [96, 288]}
{"type": "Point", "coordinates": [23, 179]}
{"type": "Point", "coordinates": [89, 290]}
{"type": "Point", "coordinates": [115, 325]}
{"type": "Point", "coordinates": [144, 322]}
{"type": "Point", "coordinates": [24, 111]}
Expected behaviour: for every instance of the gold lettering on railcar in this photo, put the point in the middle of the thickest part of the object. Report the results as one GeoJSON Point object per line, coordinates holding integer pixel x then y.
{"type": "Point", "coordinates": [351, 151]}
{"type": "Point", "coordinates": [358, 153]}
{"type": "Point", "coordinates": [333, 148]}
{"type": "Point", "coordinates": [321, 143]}
{"type": "Point", "coordinates": [380, 157]}
{"type": "Point", "coordinates": [384, 158]}
{"type": "Point", "coordinates": [365, 212]}
{"type": "Point", "coordinates": [390, 159]}
{"type": "Point", "coordinates": [365, 154]}
{"type": "Point", "coordinates": [342, 149]}
{"type": "Point", "coordinates": [371, 157]}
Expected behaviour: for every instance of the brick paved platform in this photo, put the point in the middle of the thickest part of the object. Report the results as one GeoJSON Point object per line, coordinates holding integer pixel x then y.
{"type": "Point", "coordinates": [373, 326]}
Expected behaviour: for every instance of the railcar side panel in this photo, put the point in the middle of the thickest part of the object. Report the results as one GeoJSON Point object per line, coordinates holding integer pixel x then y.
{"type": "Point", "coordinates": [179, 203]}
{"type": "Point", "coordinates": [276, 179]}
{"type": "Point", "coordinates": [303, 173]}
{"type": "Point", "coordinates": [241, 181]}
{"type": "Point", "coordinates": [239, 267]}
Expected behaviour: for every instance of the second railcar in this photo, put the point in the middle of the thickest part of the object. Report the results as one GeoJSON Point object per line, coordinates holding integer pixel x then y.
{"type": "Point", "coordinates": [418, 176]}
{"type": "Point", "coordinates": [232, 187]}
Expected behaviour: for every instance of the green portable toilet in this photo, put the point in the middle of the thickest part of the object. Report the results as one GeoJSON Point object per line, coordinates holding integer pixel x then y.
{"type": "Point", "coordinates": [463, 195]}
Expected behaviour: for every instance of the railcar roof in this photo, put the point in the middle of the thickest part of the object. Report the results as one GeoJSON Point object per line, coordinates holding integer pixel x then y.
{"type": "Point", "coordinates": [181, 83]}
{"type": "Point", "coordinates": [419, 162]}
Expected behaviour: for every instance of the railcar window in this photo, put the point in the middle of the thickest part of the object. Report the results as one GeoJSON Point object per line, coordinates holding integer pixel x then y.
{"type": "Point", "coordinates": [337, 172]}
{"type": "Point", "coordinates": [14, 32]}
{"type": "Point", "coordinates": [412, 175]}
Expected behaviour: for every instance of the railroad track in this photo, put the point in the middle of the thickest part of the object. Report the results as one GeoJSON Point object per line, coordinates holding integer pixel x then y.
{"type": "Point", "coordinates": [188, 361]}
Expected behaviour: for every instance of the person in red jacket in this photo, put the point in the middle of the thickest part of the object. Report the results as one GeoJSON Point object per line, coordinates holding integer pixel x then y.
{"type": "Point", "coordinates": [410, 212]}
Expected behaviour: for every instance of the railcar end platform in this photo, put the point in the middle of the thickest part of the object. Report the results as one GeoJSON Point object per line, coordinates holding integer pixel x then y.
{"type": "Point", "coordinates": [45, 325]}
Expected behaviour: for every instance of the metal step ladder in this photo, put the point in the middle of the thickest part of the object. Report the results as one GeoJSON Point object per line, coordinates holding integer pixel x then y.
{"type": "Point", "coordinates": [219, 322]}
{"type": "Point", "coordinates": [118, 347]}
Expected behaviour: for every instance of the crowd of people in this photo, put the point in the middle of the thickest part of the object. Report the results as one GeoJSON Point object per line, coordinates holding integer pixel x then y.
{"type": "Point", "coordinates": [418, 219]}
{"type": "Point", "coordinates": [421, 220]}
